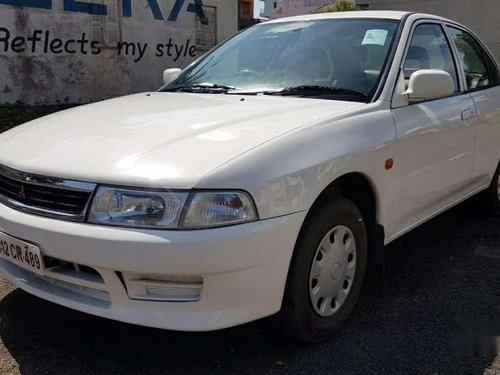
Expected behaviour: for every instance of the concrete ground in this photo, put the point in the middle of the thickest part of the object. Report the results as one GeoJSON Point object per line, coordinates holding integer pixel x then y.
{"type": "Point", "coordinates": [402, 325]}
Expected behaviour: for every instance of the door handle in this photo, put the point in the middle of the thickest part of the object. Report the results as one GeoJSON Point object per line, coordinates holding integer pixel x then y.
{"type": "Point", "coordinates": [468, 114]}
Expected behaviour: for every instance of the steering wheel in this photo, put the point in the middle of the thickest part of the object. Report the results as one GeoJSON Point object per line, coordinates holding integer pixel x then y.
{"type": "Point", "coordinates": [484, 80]}
{"type": "Point", "coordinates": [479, 81]}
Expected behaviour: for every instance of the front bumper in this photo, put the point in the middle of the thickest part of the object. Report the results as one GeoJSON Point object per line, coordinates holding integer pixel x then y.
{"type": "Point", "coordinates": [243, 267]}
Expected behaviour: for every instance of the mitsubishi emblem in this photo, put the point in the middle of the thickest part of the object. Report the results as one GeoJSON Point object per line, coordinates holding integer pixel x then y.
{"type": "Point", "coordinates": [22, 193]}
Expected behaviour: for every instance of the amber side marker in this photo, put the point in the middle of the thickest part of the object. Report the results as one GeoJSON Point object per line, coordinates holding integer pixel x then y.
{"type": "Point", "coordinates": [389, 163]}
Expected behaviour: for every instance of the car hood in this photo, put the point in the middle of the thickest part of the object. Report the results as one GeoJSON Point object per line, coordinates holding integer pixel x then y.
{"type": "Point", "coordinates": [166, 140]}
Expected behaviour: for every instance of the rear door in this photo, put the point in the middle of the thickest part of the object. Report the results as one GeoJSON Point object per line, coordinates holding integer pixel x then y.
{"type": "Point", "coordinates": [482, 80]}
{"type": "Point", "coordinates": [436, 138]}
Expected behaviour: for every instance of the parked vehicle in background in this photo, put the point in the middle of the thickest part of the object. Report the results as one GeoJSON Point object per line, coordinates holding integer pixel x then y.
{"type": "Point", "coordinates": [260, 180]}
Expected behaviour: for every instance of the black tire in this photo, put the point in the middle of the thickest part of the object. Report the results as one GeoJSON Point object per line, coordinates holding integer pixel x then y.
{"type": "Point", "coordinates": [490, 198]}
{"type": "Point", "coordinates": [297, 318]}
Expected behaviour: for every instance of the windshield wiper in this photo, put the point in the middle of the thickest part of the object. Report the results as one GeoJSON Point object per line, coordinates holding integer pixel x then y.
{"type": "Point", "coordinates": [312, 90]}
{"type": "Point", "coordinates": [210, 88]}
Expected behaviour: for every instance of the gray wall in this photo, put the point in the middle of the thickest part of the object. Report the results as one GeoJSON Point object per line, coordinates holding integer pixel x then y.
{"type": "Point", "coordinates": [268, 8]}
{"type": "Point", "coordinates": [482, 16]}
{"type": "Point", "coordinates": [75, 57]}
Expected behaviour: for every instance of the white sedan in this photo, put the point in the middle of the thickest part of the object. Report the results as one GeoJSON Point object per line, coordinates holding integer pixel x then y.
{"type": "Point", "coordinates": [260, 180]}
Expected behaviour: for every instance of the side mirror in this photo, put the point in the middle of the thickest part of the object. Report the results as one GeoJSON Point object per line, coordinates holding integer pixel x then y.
{"type": "Point", "coordinates": [429, 84]}
{"type": "Point", "coordinates": [171, 75]}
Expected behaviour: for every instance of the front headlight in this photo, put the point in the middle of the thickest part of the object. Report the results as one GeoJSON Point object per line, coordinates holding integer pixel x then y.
{"type": "Point", "coordinates": [170, 210]}
{"type": "Point", "coordinates": [137, 208]}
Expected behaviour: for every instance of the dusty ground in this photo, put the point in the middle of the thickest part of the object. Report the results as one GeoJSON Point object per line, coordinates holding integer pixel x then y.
{"type": "Point", "coordinates": [446, 268]}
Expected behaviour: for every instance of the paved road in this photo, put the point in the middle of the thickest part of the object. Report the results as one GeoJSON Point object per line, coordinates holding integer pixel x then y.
{"type": "Point", "coordinates": [447, 267]}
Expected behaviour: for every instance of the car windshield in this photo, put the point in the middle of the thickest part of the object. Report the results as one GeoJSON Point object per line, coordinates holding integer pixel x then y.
{"type": "Point", "coordinates": [344, 54]}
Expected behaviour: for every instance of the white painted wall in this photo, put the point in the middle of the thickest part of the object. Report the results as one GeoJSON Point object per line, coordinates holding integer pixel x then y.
{"type": "Point", "coordinates": [48, 76]}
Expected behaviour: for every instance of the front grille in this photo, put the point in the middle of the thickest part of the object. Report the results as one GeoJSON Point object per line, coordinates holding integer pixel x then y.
{"type": "Point", "coordinates": [45, 196]}
{"type": "Point", "coordinates": [76, 282]}
{"type": "Point", "coordinates": [56, 265]}
{"type": "Point", "coordinates": [67, 201]}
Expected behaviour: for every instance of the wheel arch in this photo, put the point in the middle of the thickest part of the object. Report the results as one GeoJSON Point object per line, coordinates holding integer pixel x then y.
{"type": "Point", "coordinates": [361, 190]}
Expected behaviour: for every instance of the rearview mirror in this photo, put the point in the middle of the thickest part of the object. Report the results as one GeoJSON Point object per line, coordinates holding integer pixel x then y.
{"type": "Point", "coordinates": [429, 84]}
{"type": "Point", "coordinates": [171, 75]}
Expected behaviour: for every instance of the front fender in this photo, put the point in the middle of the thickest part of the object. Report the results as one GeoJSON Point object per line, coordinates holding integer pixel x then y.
{"type": "Point", "coordinates": [288, 173]}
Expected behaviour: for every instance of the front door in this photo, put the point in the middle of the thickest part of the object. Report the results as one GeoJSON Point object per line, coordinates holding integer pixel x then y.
{"type": "Point", "coordinates": [436, 138]}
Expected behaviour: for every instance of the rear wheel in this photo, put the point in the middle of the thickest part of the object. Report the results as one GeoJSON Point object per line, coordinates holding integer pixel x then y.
{"type": "Point", "coordinates": [326, 273]}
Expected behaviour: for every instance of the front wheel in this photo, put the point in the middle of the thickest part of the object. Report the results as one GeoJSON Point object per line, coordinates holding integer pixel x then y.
{"type": "Point", "coordinates": [326, 272]}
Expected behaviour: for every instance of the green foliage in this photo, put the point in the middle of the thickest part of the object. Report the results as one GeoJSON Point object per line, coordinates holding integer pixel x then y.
{"type": "Point", "coordinates": [13, 115]}
{"type": "Point", "coordinates": [339, 6]}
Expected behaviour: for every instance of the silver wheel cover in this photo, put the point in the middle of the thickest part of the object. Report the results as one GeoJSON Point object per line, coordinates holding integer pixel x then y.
{"type": "Point", "coordinates": [333, 270]}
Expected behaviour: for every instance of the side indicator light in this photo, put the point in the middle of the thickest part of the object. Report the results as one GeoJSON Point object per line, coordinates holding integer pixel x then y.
{"type": "Point", "coordinates": [389, 164]}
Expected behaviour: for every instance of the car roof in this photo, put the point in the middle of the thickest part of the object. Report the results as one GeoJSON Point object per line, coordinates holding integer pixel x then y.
{"type": "Point", "coordinates": [372, 14]}
{"type": "Point", "coordinates": [382, 14]}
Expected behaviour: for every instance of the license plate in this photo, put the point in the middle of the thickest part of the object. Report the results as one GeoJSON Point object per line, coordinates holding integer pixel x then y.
{"type": "Point", "coordinates": [21, 253]}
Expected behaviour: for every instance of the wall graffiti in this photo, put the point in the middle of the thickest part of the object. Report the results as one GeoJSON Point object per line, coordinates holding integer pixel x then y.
{"type": "Point", "coordinates": [101, 9]}
{"type": "Point", "coordinates": [79, 51]}
{"type": "Point", "coordinates": [41, 41]}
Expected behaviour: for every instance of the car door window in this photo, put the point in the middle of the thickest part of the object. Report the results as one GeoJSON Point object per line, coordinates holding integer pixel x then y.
{"type": "Point", "coordinates": [480, 70]}
{"type": "Point", "coordinates": [429, 49]}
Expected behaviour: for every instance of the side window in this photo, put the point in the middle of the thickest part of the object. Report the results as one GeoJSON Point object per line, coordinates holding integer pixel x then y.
{"type": "Point", "coordinates": [429, 49]}
{"type": "Point", "coordinates": [492, 68]}
{"type": "Point", "coordinates": [480, 71]}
